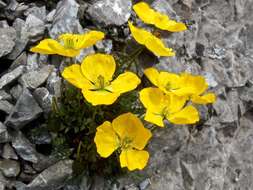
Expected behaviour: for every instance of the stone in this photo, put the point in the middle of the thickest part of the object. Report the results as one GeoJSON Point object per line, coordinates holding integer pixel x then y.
{"type": "Point", "coordinates": [16, 91]}
{"type": "Point", "coordinates": [53, 177]}
{"type": "Point", "coordinates": [7, 38]}
{"type": "Point", "coordinates": [24, 148]}
{"type": "Point", "coordinates": [35, 79]}
{"type": "Point", "coordinates": [4, 95]}
{"type": "Point", "coordinates": [144, 184]}
{"type": "Point", "coordinates": [65, 19]}
{"type": "Point", "coordinates": [10, 168]}
{"type": "Point", "coordinates": [54, 83]}
{"type": "Point", "coordinates": [6, 106]}
{"type": "Point", "coordinates": [11, 76]}
{"type": "Point", "coordinates": [2, 4]}
{"type": "Point", "coordinates": [110, 12]}
{"type": "Point", "coordinates": [32, 62]}
{"type": "Point", "coordinates": [44, 98]}
{"type": "Point", "coordinates": [9, 153]}
{"type": "Point", "coordinates": [39, 12]}
{"type": "Point", "coordinates": [20, 60]}
{"type": "Point", "coordinates": [25, 111]}
{"type": "Point", "coordinates": [4, 134]}
{"type": "Point", "coordinates": [40, 135]}
{"type": "Point", "coordinates": [210, 79]}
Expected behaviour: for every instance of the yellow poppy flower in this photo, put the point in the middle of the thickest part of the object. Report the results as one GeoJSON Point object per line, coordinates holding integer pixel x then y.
{"type": "Point", "coordinates": [150, 41]}
{"type": "Point", "coordinates": [68, 45]}
{"type": "Point", "coordinates": [127, 133]}
{"type": "Point", "coordinates": [162, 21]}
{"type": "Point", "coordinates": [95, 77]}
{"type": "Point", "coordinates": [169, 106]}
{"type": "Point", "coordinates": [181, 85]}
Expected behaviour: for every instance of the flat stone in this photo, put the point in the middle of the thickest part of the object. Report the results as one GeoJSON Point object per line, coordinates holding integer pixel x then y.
{"type": "Point", "coordinates": [53, 177]}
{"type": "Point", "coordinates": [11, 76]}
{"type": "Point", "coordinates": [44, 98]}
{"type": "Point", "coordinates": [6, 106]}
{"type": "Point", "coordinates": [110, 12]}
{"type": "Point", "coordinates": [25, 111]}
{"type": "Point", "coordinates": [16, 91]}
{"type": "Point", "coordinates": [54, 83]}
{"type": "Point", "coordinates": [10, 168]}
{"type": "Point", "coordinates": [9, 153]}
{"type": "Point", "coordinates": [35, 79]}
{"type": "Point", "coordinates": [4, 135]}
{"type": "Point", "coordinates": [7, 38]}
{"type": "Point", "coordinates": [4, 95]}
{"type": "Point", "coordinates": [39, 12]}
{"type": "Point", "coordinates": [24, 148]}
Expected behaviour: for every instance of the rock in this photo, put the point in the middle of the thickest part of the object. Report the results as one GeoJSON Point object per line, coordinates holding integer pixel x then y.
{"type": "Point", "coordinates": [4, 135]}
{"type": "Point", "coordinates": [44, 98]}
{"type": "Point", "coordinates": [54, 84]}
{"type": "Point", "coordinates": [35, 79]}
{"type": "Point", "coordinates": [40, 135]}
{"type": "Point", "coordinates": [16, 91]}
{"type": "Point", "coordinates": [8, 152]}
{"type": "Point", "coordinates": [39, 12]}
{"type": "Point", "coordinates": [24, 148]}
{"type": "Point", "coordinates": [6, 106]}
{"type": "Point", "coordinates": [65, 19]}
{"type": "Point", "coordinates": [32, 62]}
{"type": "Point", "coordinates": [210, 79]}
{"type": "Point", "coordinates": [52, 178]}
{"type": "Point", "coordinates": [110, 12]}
{"type": "Point", "coordinates": [25, 111]}
{"type": "Point", "coordinates": [2, 4]}
{"type": "Point", "coordinates": [4, 95]}
{"type": "Point", "coordinates": [7, 38]}
{"type": "Point", "coordinates": [10, 168]}
{"type": "Point", "coordinates": [11, 76]}
{"type": "Point", "coordinates": [144, 184]}
{"type": "Point", "coordinates": [105, 45]}
{"type": "Point", "coordinates": [21, 60]}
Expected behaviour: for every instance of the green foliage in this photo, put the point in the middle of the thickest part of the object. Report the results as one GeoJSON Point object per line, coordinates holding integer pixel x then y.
{"type": "Point", "coordinates": [74, 122]}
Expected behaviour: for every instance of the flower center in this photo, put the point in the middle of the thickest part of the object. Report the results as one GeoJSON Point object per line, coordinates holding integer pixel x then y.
{"type": "Point", "coordinates": [101, 83]}
{"type": "Point", "coordinates": [126, 143]}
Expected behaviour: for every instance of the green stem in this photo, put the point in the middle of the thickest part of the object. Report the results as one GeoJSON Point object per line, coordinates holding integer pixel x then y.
{"type": "Point", "coordinates": [133, 56]}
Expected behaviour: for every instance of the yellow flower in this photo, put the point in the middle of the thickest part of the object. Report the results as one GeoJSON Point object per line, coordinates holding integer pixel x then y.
{"type": "Point", "coordinates": [150, 41]}
{"type": "Point", "coordinates": [170, 106]}
{"type": "Point", "coordinates": [181, 85]}
{"type": "Point", "coordinates": [95, 77]}
{"type": "Point", "coordinates": [68, 45]}
{"type": "Point", "coordinates": [127, 133]}
{"type": "Point", "coordinates": [162, 21]}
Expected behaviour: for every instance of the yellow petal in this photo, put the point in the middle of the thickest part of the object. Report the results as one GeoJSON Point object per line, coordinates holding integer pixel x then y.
{"type": "Point", "coordinates": [152, 74]}
{"type": "Point", "coordinates": [154, 118]}
{"type": "Point", "coordinates": [106, 139]}
{"type": "Point", "coordinates": [175, 103]}
{"type": "Point", "coordinates": [134, 159]}
{"type": "Point", "coordinates": [100, 97]}
{"type": "Point", "coordinates": [125, 82]}
{"type": "Point", "coordinates": [153, 99]}
{"type": "Point", "coordinates": [130, 127]}
{"type": "Point", "coordinates": [98, 65]}
{"type": "Point", "coordinates": [162, 21]}
{"type": "Point", "coordinates": [44, 48]}
{"type": "Point", "coordinates": [188, 115]}
{"type": "Point", "coordinates": [169, 82]}
{"type": "Point", "coordinates": [80, 41]}
{"type": "Point", "coordinates": [205, 99]}
{"type": "Point", "coordinates": [151, 42]}
{"type": "Point", "coordinates": [74, 75]}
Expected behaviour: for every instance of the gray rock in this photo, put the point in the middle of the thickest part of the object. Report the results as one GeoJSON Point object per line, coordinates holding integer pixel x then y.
{"type": "Point", "coordinates": [10, 168]}
{"type": "Point", "coordinates": [8, 152]}
{"type": "Point", "coordinates": [35, 79]}
{"type": "Point", "coordinates": [52, 178]}
{"type": "Point", "coordinates": [54, 83]}
{"type": "Point", "coordinates": [2, 4]}
{"type": "Point", "coordinates": [105, 45]}
{"type": "Point", "coordinates": [4, 95]}
{"type": "Point", "coordinates": [20, 60]}
{"type": "Point", "coordinates": [32, 62]}
{"type": "Point", "coordinates": [110, 12]}
{"type": "Point", "coordinates": [4, 135]}
{"type": "Point", "coordinates": [6, 106]}
{"type": "Point", "coordinates": [16, 91]}
{"type": "Point", "coordinates": [39, 12]}
{"type": "Point", "coordinates": [50, 15]}
{"type": "Point", "coordinates": [24, 148]}
{"type": "Point", "coordinates": [7, 38]}
{"type": "Point", "coordinates": [11, 76]}
{"type": "Point", "coordinates": [210, 79]}
{"type": "Point", "coordinates": [25, 111]}
{"type": "Point", "coordinates": [44, 98]}
{"type": "Point", "coordinates": [144, 184]}
{"type": "Point", "coordinates": [65, 19]}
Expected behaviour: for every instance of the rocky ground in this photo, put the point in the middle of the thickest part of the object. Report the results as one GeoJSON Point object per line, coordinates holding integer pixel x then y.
{"type": "Point", "coordinates": [215, 155]}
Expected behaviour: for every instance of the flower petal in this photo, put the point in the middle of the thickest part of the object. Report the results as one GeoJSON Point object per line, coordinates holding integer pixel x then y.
{"type": "Point", "coordinates": [162, 21]}
{"type": "Point", "coordinates": [100, 97]}
{"type": "Point", "coordinates": [80, 41]}
{"type": "Point", "coordinates": [106, 140]}
{"type": "Point", "coordinates": [74, 75]}
{"type": "Point", "coordinates": [43, 47]}
{"type": "Point", "coordinates": [175, 103]}
{"type": "Point", "coordinates": [153, 99]}
{"type": "Point", "coordinates": [151, 42]}
{"type": "Point", "coordinates": [154, 118]}
{"type": "Point", "coordinates": [97, 65]}
{"type": "Point", "coordinates": [152, 74]}
{"type": "Point", "coordinates": [128, 126]}
{"type": "Point", "coordinates": [169, 82]}
{"type": "Point", "coordinates": [188, 115]}
{"type": "Point", "coordinates": [125, 82]}
{"type": "Point", "coordinates": [205, 99]}
{"type": "Point", "coordinates": [134, 159]}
